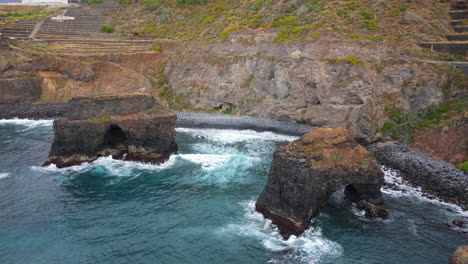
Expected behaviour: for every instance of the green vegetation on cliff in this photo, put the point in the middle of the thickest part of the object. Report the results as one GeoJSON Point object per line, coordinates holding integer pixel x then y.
{"type": "Point", "coordinates": [403, 125]}
{"type": "Point", "coordinates": [292, 20]}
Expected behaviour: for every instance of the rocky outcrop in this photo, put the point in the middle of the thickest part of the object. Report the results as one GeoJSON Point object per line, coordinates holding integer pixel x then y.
{"type": "Point", "coordinates": [305, 173]}
{"type": "Point", "coordinates": [460, 256]}
{"type": "Point", "coordinates": [147, 136]}
{"type": "Point", "coordinates": [433, 176]}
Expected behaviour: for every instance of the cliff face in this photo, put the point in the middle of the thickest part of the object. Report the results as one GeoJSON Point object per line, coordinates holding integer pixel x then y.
{"type": "Point", "coordinates": [328, 82]}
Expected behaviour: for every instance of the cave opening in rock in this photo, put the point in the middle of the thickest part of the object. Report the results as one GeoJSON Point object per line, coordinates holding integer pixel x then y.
{"type": "Point", "coordinates": [114, 136]}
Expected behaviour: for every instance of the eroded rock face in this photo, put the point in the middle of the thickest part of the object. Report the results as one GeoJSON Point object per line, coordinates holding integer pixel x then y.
{"type": "Point", "coordinates": [305, 173]}
{"type": "Point", "coordinates": [147, 136]}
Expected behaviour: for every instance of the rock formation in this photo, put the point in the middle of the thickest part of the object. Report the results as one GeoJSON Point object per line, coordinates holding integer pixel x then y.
{"type": "Point", "coordinates": [127, 128]}
{"type": "Point", "coordinates": [306, 172]}
{"type": "Point", "coordinates": [460, 256]}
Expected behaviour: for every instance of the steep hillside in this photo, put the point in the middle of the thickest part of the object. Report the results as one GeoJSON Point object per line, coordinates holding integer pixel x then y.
{"type": "Point", "coordinates": [292, 20]}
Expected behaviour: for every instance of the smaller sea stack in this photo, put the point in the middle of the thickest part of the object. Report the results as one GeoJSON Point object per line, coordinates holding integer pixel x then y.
{"type": "Point", "coordinates": [125, 127]}
{"type": "Point", "coordinates": [306, 172]}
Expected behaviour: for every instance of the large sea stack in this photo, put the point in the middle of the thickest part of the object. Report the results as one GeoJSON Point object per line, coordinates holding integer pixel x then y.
{"type": "Point", "coordinates": [125, 127]}
{"type": "Point", "coordinates": [306, 172]}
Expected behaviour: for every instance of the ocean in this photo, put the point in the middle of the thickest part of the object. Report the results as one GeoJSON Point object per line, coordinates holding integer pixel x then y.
{"type": "Point", "coordinates": [196, 208]}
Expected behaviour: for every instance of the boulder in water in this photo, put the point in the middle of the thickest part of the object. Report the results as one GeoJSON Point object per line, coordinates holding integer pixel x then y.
{"type": "Point", "coordinates": [306, 172]}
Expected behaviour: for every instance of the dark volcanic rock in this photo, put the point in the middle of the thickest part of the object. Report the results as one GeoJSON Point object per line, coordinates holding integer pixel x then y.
{"type": "Point", "coordinates": [305, 173]}
{"type": "Point", "coordinates": [433, 176]}
{"type": "Point", "coordinates": [128, 133]}
{"type": "Point", "coordinates": [88, 107]}
{"type": "Point", "coordinates": [458, 222]}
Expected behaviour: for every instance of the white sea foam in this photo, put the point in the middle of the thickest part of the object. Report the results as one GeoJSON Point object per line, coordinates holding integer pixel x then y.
{"type": "Point", "coordinates": [112, 166]}
{"type": "Point", "coordinates": [231, 135]}
{"type": "Point", "coordinates": [403, 188]}
{"type": "Point", "coordinates": [310, 247]}
{"type": "Point", "coordinates": [207, 161]}
{"type": "Point", "coordinates": [29, 124]}
{"type": "Point", "coordinates": [4, 175]}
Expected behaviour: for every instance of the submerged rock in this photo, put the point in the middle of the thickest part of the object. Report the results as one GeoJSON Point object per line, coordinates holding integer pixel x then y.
{"type": "Point", "coordinates": [460, 256]}
{"type": "Point", "coordinates": [136, 135]}
{"type": "Point", "coordinates": [458, 222]}
{"type": "Point", "coordinates": [305, 173]}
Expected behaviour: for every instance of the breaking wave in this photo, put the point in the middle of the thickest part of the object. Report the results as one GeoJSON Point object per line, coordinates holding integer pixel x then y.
{"type": "Point", "coordinates": [311, 247]}
{"type": "Point", "coordinates": [232, 136]}
{"type": "Point", "coordinates": [400, 188]}
{"type": "Point", "coordinates": [28, 123]}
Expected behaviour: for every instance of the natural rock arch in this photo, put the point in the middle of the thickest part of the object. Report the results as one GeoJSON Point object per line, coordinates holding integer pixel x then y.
{"type": "Point", "coordinates": [305, 173]}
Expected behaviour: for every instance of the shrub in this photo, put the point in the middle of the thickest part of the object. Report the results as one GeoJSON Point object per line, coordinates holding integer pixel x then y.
{"type": "Point", "coordinates": [367, 15]}
{"type": "Point", "coordinates": [151, 5]}
{"type": "Point", "coordinates": [91, 2]}
{"type": "Point", "coordinates": [107, 29]}
{"type": "Point", "coordinates": [464, 166]}
{"type": "Point", "coordinates": [158, 48]}
{"type": "Point", "coordinates": [189, 2]}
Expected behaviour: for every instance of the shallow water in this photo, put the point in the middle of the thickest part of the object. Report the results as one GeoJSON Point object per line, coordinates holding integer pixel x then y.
{"type": "Point", "coordinates": [196, 208]}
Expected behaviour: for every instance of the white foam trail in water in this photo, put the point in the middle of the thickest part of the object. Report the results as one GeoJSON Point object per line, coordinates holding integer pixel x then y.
{"type": "Point", "coordinates": [403, 188]}
{"type": "Point", "coordinates": [208, 161]}
{"type": "Point", "coordinates": [113, 166]}
{"type": "Point", "coordinates": [29, 124]}
{"type": "Point", "coordinates": [310, 247]}
{"type": "Point", "coordinates": [4, 175]}
{"type": "Point", "coordinates": [231, 135]}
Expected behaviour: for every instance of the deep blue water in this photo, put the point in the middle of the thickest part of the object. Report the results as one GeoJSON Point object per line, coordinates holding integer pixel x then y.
{"type": "Point", "coordinates": [197, 208]}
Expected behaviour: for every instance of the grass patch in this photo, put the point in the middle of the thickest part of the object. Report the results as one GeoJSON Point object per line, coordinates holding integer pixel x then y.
{"type": "Point", "coordinates": [107, 29]}
{"type": "Point", "coordinates": [353, 60]}
{"type": "Point", "coordinates": [158, 49]}
{"type": "Point", "coordinates": [94, 2]}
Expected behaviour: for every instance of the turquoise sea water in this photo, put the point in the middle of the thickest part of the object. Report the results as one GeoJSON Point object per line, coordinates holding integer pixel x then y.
{"type": "Point", "coordinates": [196, 208]}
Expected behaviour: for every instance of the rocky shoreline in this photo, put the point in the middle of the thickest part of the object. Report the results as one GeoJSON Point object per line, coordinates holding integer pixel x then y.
{"type": "Point", "coordinates": [221, 121]}
{"type": "Point", "coordinates": [433, 176]}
